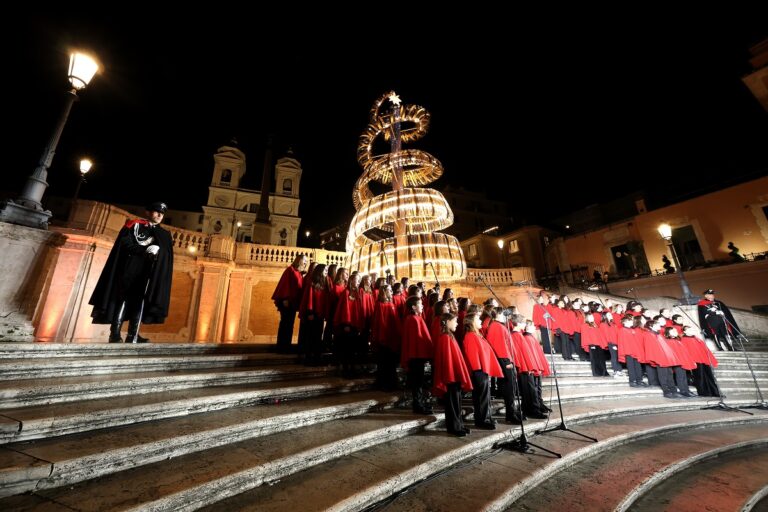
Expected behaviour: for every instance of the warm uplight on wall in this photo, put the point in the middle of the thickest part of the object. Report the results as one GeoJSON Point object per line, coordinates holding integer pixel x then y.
{"type": "Point", "coordinates": [500, 243]}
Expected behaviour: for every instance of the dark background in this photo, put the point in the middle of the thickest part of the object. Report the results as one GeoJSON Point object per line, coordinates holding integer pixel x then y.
{"type": "Point", "coordinates": [648, 101]}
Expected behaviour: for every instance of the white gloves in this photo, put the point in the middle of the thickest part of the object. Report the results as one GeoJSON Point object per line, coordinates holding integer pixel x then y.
{"type": "Point", "coordinates": [153, 250]}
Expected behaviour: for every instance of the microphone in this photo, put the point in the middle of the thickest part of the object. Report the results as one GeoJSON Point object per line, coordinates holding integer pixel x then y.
{"type": "Point", "coordinates": [676, 305]}
{"type": "Point", "coordinates": [629, 291]}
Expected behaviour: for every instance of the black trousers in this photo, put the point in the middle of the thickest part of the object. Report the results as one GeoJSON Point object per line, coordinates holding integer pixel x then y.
{"type": "Point", "coordinates": [528, 394]}
{"type": "Point", "coordinates": [386, 368]}
{"type": "Point", "coordinates": [653, 376]}
{"type": "Point", "coordinates": [285, 329]}
{"type": "Point", "coordinates": [615, 364]}
{"type": "Point", "coordinates": [635, 370]}
{"type": "Point", "coordinates": [558, 343]}
{"type": "Point", "coordinates": [681, 379]}
{"type": "Point", "coordinates": [313, 343]}
{"type": "Point", "coordinates": [704, 380]}
{"type": "Point", "coordinates": [576, 344]}
{"type": "Point", "coordinates": [722, 338]}
{"type": "Point", "coordinates": [597, 361]}
{"type": "Point", "coordinates": [453, 420]}
{"type": "Point", "coordinates": [417, 382]}
{"type": "Point", "coordinates": [545, 340]}
{"type": "Point", "coordinates": [481, 397]}
{"type": "Point", "coordinates": [666, 380]}
{"type": "Point", "coordinates": [509, 388]}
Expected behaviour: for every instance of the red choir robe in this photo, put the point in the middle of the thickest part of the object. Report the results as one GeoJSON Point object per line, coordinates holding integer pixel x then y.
{"type": "Point", "coordinates": [416, 341]}
{"type": "Point", "coordinates": [684, 357]}
{"type": "Point", "coordinates": [449, 366]}
{"type": "Point", "coordinates": [592, 336]}
{"type": "Point", "coordinates": [630, 342]}
{"type": "Point", "coordinates": [501, 341]}
{"type": "Point", "coordinates": [480, 355]}
{"type": "Point", "coordinates": [399, 302]}
{"type": "Point", "coordinates": [657, 350]}
{"type": "Point", "coordinates": [385, 327]}
{"type": "Point", "coordinates": [538, 316]}
{"type": "Point", "coordinates": [289, 288]}
{"type": "Point", "coordinates": [699, 350]}
{"type": "Point", "coordinates": [314, 302]}
{"type": "Point", "coordinates": [349, 312]}
{"type": "Point", "coordinates": [542, 366]}
{"type": "Point", "coordinates": [525, 360]}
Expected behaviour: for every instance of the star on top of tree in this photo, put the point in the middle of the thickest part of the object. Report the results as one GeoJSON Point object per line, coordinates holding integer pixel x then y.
{"type": "Point", "coordinates": [394, 98]}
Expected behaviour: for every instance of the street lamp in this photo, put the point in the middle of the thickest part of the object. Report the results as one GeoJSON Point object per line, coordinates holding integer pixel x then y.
{"type": "Point", "coordinates": [239, 225]}
{"type": "Point", "coordinates": [665, 230]}
{"type": "Point", "coordinates": [500, 243]}
{"type": "Point", "coordinates": [27, 210]}
{"type": "Point", "coordinates": [85, 166]}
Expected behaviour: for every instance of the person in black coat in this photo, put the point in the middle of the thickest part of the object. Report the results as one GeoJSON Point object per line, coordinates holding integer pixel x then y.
{"type": "Point", "coordinates": [135, 284]}
{"type": "Point", "coordinates": [716, 320]}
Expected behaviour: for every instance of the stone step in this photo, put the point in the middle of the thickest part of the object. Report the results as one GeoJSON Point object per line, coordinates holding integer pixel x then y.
{"type": "Point", "coordinates": [191, 481]}
{"type": "Point", "coordinates": [757, 502]}
{"type": "Point", "coordinates": [43, 368]}
{"type": "Point", "coordinates": [442, 463]}
{"type": "Point", "coordinates": [27, 392]}
{"type": "Point", "coordinates": [28, 350]}
{"type": "Point", "coordinates": [37, 422]}
{"type": "Point", "coordinates": [725, 478]}
{"type": "Point", "coordinates": [66, 460]}
{"type": "Point", "coordinates": [603, 482]}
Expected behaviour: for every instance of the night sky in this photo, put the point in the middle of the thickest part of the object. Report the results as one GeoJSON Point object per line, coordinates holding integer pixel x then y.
{"type": "Point", "coordinates": [654, 103]}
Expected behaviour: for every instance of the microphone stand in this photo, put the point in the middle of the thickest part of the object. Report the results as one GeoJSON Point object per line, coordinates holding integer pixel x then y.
{"type": "Point", "coordinates": [760, 403]}
{"type": "Point", "coordinates": [520, 444]}
{"type": "Point", "coordinates": [721, 405]}
{"type": "Point", "coordinates": [562, 425]}
{"type": "Point", "coordinates": [437, 281]}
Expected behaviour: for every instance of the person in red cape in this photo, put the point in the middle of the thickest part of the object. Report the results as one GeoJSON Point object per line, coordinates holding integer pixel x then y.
{"type": "Point", "coordinates": [593, 341]}
{"type": "Point", "coordinates": [348, 323]}
{"type": "Point", "coordinates": [542, 366]}
{"type": "Point", "coordinates": [542, 319]}
{"type": "Point", "coordinates": [398, 299]}
{"type": "Point", "coordinates": [482, 365]}
{"type": "Point", "coordinates": [450, 376]}
{"type": "Point", "coordinates": [313, 312]}
{"type": "Point", "coordinates": [416, 351]}
{"type": "Point", "coordinates": [287, 298]}
{"type": "Point", "coordinates": [501, 341]}
{"type": "Point", "coordinates": [385, 336]}
{"type": "Point", "coordinates": [629, 341]}
{"type": "Point", "coordinates": [703, 377]}
{"type": "Point", "coordinates": [527, 366]}
{"type": "Point", "coordinates": [685, 361]}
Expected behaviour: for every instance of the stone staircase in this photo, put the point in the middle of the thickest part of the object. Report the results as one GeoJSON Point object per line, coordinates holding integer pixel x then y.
{"type": "Point", "coordinates": [234, 427]}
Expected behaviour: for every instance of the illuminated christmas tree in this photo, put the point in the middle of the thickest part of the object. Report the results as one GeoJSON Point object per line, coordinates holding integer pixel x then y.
{"type": "Point", "coordinates": [398, 231]}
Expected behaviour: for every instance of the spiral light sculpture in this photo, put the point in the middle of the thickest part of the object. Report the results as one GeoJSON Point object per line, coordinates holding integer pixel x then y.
{"type": "Point", "coordinates": [398, 231]}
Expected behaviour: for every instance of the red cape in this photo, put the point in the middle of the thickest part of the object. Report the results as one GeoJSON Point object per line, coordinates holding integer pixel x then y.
{"type": "Point", "coordinates": [449, 366]}
{"type": "Point", "coordinates": [416, 341]}
{"type": "Point", "coordinates": [349, 311]}
{"type": "Point", "coordinates": [314, 301]}
{"type": "Point", "coordinates": [699, 350]}
{"type": "Point", "coordinates": [289, 287]}
{"type": "Point", "coordinates": [385, 326]}
{"type": "Point", "coordinates": [480, 355]}
{"type": "Point", "coordinates": [501, 341]}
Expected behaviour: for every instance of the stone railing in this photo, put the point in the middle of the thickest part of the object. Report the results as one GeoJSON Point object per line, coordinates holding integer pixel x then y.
{"type": "Point", "coordinates": [520, 276]}
{"type": "Point", "coordinates": [281, 256]}
{"type": "Point", "coordinates": [189, 242]}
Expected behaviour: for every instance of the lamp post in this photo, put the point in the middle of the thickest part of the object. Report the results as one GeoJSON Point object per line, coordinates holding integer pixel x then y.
{"type": "Point", "coordinates": [500, 243]}
{"type": "Point", "coordinates": [27, 210]}
{"type": "Point", "coordinates": [665, 230]}
{"type": "Point", "coordinates": [85, 166]}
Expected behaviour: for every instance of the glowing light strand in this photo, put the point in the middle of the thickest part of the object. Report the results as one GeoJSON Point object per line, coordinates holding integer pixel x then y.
{"type": "Point", "coordinates": [413, 214]}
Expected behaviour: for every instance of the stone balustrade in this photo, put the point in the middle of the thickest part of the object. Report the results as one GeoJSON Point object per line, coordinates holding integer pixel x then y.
{"type": "Point", "coordinates": [519, 276]}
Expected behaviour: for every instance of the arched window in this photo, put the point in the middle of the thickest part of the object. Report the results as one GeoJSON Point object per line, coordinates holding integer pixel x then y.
{"type": "Point", "coordinates": [226, 176]}
{"type": "Point", "coordinates": [287, 186]}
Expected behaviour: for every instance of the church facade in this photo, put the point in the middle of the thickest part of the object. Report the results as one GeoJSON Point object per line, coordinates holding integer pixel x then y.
{"type": "Point", "coordinates": [234, 211]}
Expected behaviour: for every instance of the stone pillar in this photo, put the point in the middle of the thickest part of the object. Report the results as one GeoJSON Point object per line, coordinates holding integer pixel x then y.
{"type": "Point", "coordinates": [214, 280]}
{"type": "Point", "coordinates": [238, 299]}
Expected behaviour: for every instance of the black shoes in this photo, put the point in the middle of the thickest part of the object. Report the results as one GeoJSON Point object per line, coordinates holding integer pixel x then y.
{"type": "Point", "coordinates": [486, 426]}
